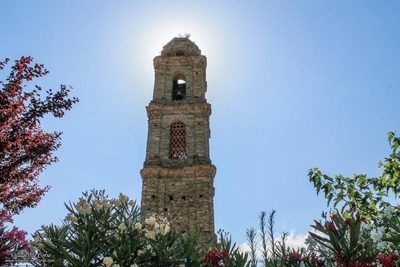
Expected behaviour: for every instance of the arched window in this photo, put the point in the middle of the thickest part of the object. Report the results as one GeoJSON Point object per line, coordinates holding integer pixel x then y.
{"type": "Point", "coordinates": [179, 89]}
{"type": "Point", "coordinates": [177, 145]}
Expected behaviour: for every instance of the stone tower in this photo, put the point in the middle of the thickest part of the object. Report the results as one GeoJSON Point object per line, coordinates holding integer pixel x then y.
{"type": "Point", "coordinates": [178, 175]}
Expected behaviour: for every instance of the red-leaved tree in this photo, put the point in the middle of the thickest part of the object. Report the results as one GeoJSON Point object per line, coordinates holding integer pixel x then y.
{"type": "Point", "coordinates": [25, 148]}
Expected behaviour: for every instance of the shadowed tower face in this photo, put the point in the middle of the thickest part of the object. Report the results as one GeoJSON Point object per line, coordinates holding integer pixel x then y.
{"type": "Point", "coordinates": [178, 175]}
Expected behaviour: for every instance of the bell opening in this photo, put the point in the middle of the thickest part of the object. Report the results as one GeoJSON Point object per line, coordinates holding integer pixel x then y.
{"type": "Point", "coordinates": [179, 90]}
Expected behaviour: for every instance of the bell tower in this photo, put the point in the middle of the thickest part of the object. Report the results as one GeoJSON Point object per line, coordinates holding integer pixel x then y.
{"type": "Point", "coordinates": [178, 175]}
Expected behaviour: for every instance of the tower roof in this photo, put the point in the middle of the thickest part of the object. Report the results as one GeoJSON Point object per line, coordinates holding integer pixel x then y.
{"type": "Point", "coordinates": [180, 46]}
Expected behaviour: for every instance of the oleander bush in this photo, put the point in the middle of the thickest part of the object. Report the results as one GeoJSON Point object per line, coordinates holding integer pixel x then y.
{"type": "Point", "coordinates": [11, 241]}
{"type": "Point", "coordinates": [101, 232]}
{"type": "Point", "coordinates": [361, 229]}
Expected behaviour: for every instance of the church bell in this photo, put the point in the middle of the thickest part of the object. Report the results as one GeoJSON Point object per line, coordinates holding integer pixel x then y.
{"type": "Point", "coordinates": [180, 92]}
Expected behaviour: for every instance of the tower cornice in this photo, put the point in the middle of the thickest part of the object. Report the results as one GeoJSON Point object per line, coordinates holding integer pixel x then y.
{"type": "Point", "coordinates": [163, 62]}
{"type": "Point", "coordinates": [196, 171]}
{"type": "Point", "coordinates": [155, 109]}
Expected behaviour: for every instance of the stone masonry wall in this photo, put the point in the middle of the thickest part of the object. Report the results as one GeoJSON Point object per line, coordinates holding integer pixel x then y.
{"type": "Point", "coordinates": [180, 189]}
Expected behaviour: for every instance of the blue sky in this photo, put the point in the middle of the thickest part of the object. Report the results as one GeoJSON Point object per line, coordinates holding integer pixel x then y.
{"type": "Point", "coordinates": [293, 85]}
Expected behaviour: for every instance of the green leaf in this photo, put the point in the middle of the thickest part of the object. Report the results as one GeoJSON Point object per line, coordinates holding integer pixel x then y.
{"type": "Point", "coordinates": [390, 136]}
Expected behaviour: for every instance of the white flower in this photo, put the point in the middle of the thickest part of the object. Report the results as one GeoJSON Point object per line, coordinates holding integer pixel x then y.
{"type": "Point", "coordinates": [376, 234]}
{"type": "Point", "coordinates": [150, 221]}
{"type": "Point", "coordinates": [150, 234]}
{"type": "Point", "coordinates": [86, 208]}
{"type": "Point", "coordinates": [71, 218]}
{"type": "Point", "coordinates": [123, 198]}
{"type": "Point", "coordinates": [116, 265]}
{"type": "Point", "coordinates": [389, 235]}
{"type": "Point", "coordinates": [138, 226]}
{"type": "Point", "coordinates": [370, 225]}
{"type": "Point", "coordinates": [108, 261]}
{"type": "Point", "coordinates": [389, 211]}
{"type": "Point", "coordinates": [122, 227]}
{"type": "Point", "coordinates": [83, 207]}
{"type": "Point", "coordinates": [383, 245]}
{"type": "Point", "coordinates": [117, 202]}
{"type": "Point", "coordinates": [106, 205]}
{"type": "Point", "coordinates": [37, 243]}
{"type": "Point", "coordinates": [134, 265]}
{"type": "Point", "coordinates": [99, 205]}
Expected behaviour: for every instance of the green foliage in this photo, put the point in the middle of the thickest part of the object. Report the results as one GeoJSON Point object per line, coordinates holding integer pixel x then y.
{"type": "Point", "coordinates": [192, 248]}
{"type": "Point", "coordinates": [275, 252]}
{"type": "Point", "coordinates": [263, 234]}
{"type": "Point", "coordinates": [348, 238]}
{"type": "Point", "coordinates": [111, 233]}
{"type": "Point", "coordinates": [365, 231]}
{"type": "Point", "coordinates": [251, 235]}
{"type": "Point", "coordinates": [270, 250]}
{"type": "Point", "coordinates": [231, 255]}
{"type": "Point", "coordinates": [360, 193]}
{"type": "Point", "coordinates": [345, 238]}
{"type": "Point", "coordinates": [102, 232]}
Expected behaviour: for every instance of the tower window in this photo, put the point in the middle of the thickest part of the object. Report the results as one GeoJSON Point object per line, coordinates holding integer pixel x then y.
{"type": "Point", "coordinates": [177, 146]}
{"type": "Point", "coordinates": [179, 89]}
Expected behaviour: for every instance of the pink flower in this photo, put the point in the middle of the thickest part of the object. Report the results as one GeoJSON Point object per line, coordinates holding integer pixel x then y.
{"type": "Point", "coordinates": [331, 226]}
{"type": "Point", "coordinates": [215, 258]}
{"type": "Point", "coordinates": [388, 260]}
{"type": "Point", "coordinates": [317, 262]}
{"type": "Point", "coordinates": [338, 259]}
{"type": "Point", "coordinates": [10, 241]}
{"type": "Point", "coordinates": [294, 256]}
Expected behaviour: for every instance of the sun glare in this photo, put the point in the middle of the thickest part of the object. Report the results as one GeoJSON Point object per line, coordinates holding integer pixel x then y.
{"type": "Point", "coordinates": [154, 34]}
